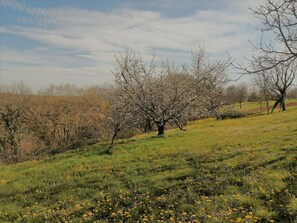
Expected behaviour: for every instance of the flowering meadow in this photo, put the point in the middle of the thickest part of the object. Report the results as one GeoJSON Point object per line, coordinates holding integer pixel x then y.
{"type": "Point", "coordinates": [241, 170]}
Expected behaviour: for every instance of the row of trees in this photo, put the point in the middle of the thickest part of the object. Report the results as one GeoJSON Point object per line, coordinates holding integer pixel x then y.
{"type": "Point", "coordinates": [160, 93]}
{"type": "Point", "coordinates": [145, 97]}
{"type": "Point", "coordinates": [167, 93]}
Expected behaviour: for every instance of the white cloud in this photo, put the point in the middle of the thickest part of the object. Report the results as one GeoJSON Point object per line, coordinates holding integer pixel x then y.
{"type": "Point", "coordinates": [89, 39]}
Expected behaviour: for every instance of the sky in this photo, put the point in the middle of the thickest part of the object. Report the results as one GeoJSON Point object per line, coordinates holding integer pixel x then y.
{"type": "Point", "coordinates": [75, 42]}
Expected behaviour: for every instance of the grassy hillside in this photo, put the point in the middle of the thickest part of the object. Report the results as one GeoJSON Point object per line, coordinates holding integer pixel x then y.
{"type": "Point", "coordinates": [242, 170]}
{"type": "Point", "coordinates": [260, 107]}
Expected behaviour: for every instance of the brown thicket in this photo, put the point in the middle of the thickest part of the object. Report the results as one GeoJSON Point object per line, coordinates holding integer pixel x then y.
{"type": "Point", "coordinates": [38, 125]}
{"type": "Point", "coordinates": [63, 122]}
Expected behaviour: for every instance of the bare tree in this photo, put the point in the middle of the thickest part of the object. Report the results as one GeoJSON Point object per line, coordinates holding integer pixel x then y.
{"type": "Point", "coordinates": [241, 92]}
{"type": "Point", "coordinates": [277, 81]}
{"type": "Point", "coordinates": [119, 115]}
{"type": "Point", "coordinates": [282, 78]}
{"type": "Point", "coordinates": [231, 96]}
{"type": "Point", "coordinates": [212, 78]}
{"type": "Point", "coordinates": [279, 19]}
{"type": "Point", "coordinates": [161, 93]}
{"type": "Point", "coordinates": [292, 93]}
{"type": "Point", "coordinates": [276, 55]}
{"type": "Point", "coordinates": [261, 80]}
{"type": "Point", "coordinates": [236, 94]}
{"type": "Point", "coordinates": [13, 105]}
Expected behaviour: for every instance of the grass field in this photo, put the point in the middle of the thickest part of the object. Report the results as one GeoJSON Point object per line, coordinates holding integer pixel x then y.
{"type": "Point", "coordinates": [240, 170]}
{"type": "Point", "coordinates": [260, 107]}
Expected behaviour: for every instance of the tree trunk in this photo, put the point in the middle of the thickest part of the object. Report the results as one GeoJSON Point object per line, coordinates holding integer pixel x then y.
{"type": "Point", "coordinates": [161, 130]}
{"type": "Point", "coordinates": [240, 104]}
{"type": "Point", "coordinates": [275, 105]}
{"type": "Point", "coordinates": [215, 113]}
{"type": "Point", "coordinates": [267, 107]}
{"type": "Point", "coordinates": [179, 125]}
{"type": "Point", "coordinates": [109, 149]}
{"type": "Point", "coordinates": [148, 127]}
{"type": "Point", "coordinates": [281, 102]}
{"type": "Point", "coordinates": [283, 105]}
{"type": "Point", "coordinates": [115, 134]}
{"type": "Point", "coordinates": [16, 149]}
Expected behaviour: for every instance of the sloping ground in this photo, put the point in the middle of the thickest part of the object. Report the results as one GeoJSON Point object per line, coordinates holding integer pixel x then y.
{"type": "Point", "coordinates": [260, 107]}
{"type": "Point", "coordinates": [242, 170]}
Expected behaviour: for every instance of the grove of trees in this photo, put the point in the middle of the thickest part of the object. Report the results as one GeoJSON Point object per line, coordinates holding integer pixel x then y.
{"type": "Point", "coordinates": [145, 96]}
{"type": "Point", "coordinates": [163, 93]}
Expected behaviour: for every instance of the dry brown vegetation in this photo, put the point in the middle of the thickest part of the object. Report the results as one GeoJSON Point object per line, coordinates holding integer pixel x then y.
{"type": "Point", "coordinates": [38, 125]}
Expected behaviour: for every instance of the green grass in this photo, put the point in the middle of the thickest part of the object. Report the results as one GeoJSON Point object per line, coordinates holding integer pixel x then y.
{"type": "Point", "coordinates": [260, 107]}
{"type": "Point", "coordinates": [242, 170]}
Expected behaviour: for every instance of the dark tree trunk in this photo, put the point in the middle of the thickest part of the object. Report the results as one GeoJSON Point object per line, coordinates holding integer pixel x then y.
{"type": "Point", "coordinates": [180, 125]}
{"type": "Point", "coordinates": [280, 101]}
{"type": "Point", "coordinates": [109, 149]}
{"type": "Point", "coordinates": [283, 105]}
{"type": "Point", "coordinates": [275, 105]}
{"type": "Point", "coordinates": [115, 134]}
{"type": "Point", "coordinates": [267, 106]}
{"type": "Point", "coordinates": [161, 130]}
{"type": "Point", "coordinates": [148, 127]}
{"type": "Point", "coordinates": [240, 104]}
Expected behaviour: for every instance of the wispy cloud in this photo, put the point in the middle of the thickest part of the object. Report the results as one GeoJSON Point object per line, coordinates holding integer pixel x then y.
{"type": "Point", "coordinates": [70, 35]}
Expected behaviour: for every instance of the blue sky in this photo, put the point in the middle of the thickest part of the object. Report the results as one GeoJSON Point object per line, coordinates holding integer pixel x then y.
{"type": "Point", "coordinates": [73, 41]}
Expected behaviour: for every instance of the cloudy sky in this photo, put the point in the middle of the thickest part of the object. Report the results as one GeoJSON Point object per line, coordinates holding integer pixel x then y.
{"type": "Point", "coordinates": [73, 41]}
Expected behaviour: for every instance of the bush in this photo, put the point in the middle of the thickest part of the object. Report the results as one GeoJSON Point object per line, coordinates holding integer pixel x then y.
{"type": "Point", "coordinates": [231, 115]}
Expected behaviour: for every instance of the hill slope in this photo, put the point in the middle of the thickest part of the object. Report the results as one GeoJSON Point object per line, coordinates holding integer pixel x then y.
{"type": "Point", "coordinates": [242, 170]}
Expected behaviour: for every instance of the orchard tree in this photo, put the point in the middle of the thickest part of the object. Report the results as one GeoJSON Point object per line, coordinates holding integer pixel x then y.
{"type": "Point", "coordinates": [275, 56]}
{"type": "Point", "coordinates": [236, 94]}
{"type": "Point", "coordinates": [231, 95]}
{"type": "Point", "coordinates": [275, 83]}
{"type": "Point", "coordinates": [262, 81]}
{"type": "Point", "coordinates": [119, 115]}
{"type": "Point", "coordinates": [160, 92]}
{"type": "Point", "coordinates": [212, 78]}
{"type": "Point", "coordinates": [279, 20]}
{"type": "Point", "coordinates": [241, 93]}
{"type": "Point", "coordinates": [292, 93]}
